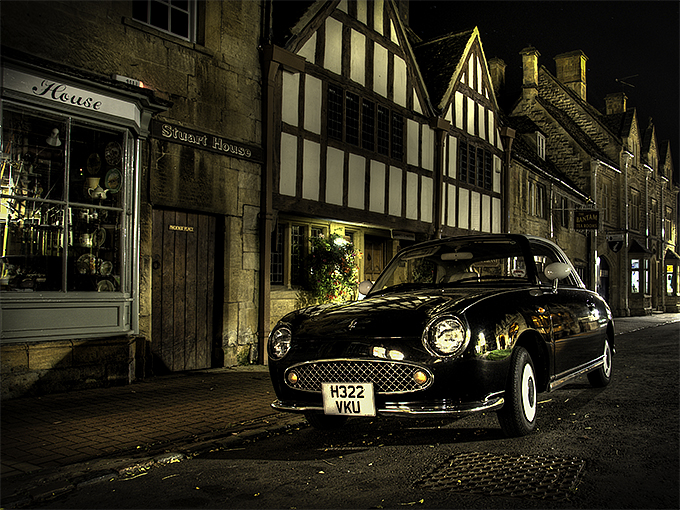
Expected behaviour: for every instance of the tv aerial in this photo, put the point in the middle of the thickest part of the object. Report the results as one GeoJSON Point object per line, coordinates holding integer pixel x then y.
{"type": "Point", "coordinates": [622, 82]}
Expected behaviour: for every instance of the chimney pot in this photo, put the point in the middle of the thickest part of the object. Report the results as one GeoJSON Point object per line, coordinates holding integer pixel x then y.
{"type": "Point", "coordinates": [615, 103]}
{"type": "Point", "coordinates": [530, 72]}
{"type": "Point", "coordinates": [571, 71]}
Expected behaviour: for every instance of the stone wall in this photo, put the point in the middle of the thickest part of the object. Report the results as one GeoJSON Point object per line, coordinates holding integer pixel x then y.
{"type": "Point", "coordinates": [37, 368]}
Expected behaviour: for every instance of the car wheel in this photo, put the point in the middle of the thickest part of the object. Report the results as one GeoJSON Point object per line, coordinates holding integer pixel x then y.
{"type": "Point", "coordinates": [601, 377]}
{"type": "Point", "coordinates": [325, 421]}
{"type": "Point", "coordinates": [517, 417]}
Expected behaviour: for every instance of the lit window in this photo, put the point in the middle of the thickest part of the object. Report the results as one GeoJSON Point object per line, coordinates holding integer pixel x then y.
{"type": "Point", "coordinates": [635, 276]}
{"type": "Point", "coordinates": [62, 211]}
{"type": "Point", "coordinates": [173, 16]}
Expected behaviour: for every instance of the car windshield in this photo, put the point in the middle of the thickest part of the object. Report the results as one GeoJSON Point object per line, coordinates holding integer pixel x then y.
{"type": "Point", "coordinates": [455, 263]}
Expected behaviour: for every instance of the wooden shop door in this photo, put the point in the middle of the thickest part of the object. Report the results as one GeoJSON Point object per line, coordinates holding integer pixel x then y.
{"type": "Point", "coordinates": [375, 255]}
{"type": "Point", "coordinates": [183, 290]}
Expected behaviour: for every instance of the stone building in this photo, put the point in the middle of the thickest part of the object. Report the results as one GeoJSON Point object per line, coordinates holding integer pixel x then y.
{"type": "Point", "coordinates": [629, 223]}
{"type": "Point", "coordinates": [539, 198]}
{"type": "Point", "coordinates": [376, 135]}
{"type": "Point", "coordinates": [131, 174]}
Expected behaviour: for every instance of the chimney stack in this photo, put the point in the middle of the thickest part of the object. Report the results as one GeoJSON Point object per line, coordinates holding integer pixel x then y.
{"type": "Point", "coordinates": [615, 103]}
{"type": "Point", "coordinates": [571, 71]}
{"type": "Point", "coordinates": [530, 72]}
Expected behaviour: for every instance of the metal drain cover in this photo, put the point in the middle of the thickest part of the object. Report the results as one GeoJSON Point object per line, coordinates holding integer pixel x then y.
{"type": "Point", "coordinates": [539, 477]}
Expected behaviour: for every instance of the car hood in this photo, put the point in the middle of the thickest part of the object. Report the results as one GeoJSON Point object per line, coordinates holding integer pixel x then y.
{"type": "Point", "coordinates": [390, 315]}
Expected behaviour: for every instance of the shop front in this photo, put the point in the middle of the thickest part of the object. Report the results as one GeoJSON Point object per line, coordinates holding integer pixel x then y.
{"type": "Point", "coordinates": [69, 219]}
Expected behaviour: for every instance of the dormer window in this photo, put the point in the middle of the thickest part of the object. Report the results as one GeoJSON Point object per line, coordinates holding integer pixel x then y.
{"type": "Point", "coordinates": [540, 145]}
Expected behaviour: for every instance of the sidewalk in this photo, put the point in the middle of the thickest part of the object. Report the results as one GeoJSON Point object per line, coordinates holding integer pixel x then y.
{"type": "Point", "coordinates": [53, 443]}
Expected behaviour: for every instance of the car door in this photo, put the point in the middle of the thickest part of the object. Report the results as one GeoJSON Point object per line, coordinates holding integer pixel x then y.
{"type": "Point", "coordinates": [574, 311]}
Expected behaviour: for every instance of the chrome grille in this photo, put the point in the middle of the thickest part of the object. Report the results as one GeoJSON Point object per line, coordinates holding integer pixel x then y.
{"type": "Point", "coordinates": [387, 376]}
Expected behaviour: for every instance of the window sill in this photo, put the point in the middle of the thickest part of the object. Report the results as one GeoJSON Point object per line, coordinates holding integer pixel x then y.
{"type": "Point", "coordinates": [147, 29]}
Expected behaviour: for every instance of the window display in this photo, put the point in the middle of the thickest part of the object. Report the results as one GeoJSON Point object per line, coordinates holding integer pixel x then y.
{"type": "Point", "coordinates": [62, 204]}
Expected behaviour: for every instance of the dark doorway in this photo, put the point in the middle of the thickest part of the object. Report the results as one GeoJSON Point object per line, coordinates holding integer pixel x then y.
{"type": "Point", "coordinates": [183, 290]}
{"type": "Point", "coordinates": [603, 285]}
{"type": "Point", "coordinates": [375, 257]}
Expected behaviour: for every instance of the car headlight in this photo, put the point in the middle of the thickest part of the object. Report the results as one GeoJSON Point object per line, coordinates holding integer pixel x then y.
{"type": "Point", "coordinates": [279, 342]}
{"type": "Point", "coordinates": [445, 337]}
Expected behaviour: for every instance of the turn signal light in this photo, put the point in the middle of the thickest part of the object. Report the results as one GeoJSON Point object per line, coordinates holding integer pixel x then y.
{"type": "Point", "coordinates": [292, 378]}
{"type": "Point", "coordinates": [420, 377]}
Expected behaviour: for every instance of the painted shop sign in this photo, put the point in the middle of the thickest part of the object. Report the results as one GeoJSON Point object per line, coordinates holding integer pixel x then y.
{"type": "Point", "coordinates": [586, 219]}
{"type": "Point", "coordinates": [205, 141]}
{"type": "Point", "coordinates": [60, 93]}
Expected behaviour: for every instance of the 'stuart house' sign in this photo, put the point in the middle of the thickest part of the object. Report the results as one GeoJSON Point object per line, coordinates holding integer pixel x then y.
{"type": "Point", "coordinates": [205, 141]}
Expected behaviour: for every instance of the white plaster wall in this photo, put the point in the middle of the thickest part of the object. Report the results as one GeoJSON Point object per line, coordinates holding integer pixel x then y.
{"type": "Point", "coordinates": [357, 58]}
{"type": "Point", "coordinates": [313, 104]}
{"type": "Point", "coordinates": [288, 177]}
{"type": "Point", "coordinates": [376, 200]}
{"type": "Point", "coordinates": [395, 191]}
{"type": "Point", "coordinates": [290, 98]}
{"type": "Point", "coordinates": [333, 49]}
{"type": "Point", "coordinates": [357, 181]}
{"type": "Point", "coordinates": [334, 175]}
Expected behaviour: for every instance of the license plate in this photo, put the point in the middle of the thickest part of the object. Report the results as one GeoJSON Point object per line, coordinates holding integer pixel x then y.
{"type": "Point", "coordinates": [348, 399]}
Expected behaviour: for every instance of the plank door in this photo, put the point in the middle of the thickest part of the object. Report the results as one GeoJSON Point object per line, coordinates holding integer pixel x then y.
{"type": "Point", "coordinates": [183, 289]}
{"type": "Point", "coordinates": [374, 257]}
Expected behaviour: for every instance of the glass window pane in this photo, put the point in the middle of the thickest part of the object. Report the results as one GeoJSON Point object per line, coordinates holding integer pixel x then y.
{"type": "Point", "coordinates": [352, 118]}
{"type": "Point", "coordinates": [179, 21]}
{"type": "Point", "coordinates": [96, 175]}
{"type": "Point", "coordinates": [94, 256]}
{"type": "Point", "coordinates": [31, 209]}
{"type": "Point", "coordinates": [383, 130]}
{"type": "Point", "coordinates": [159, 15]}
{"type": "Point", "coordinates": [335, 113]}
{"type": "Point", "coordinates": [368, 125]}
{"type": "Point", "coordinates": [397, 136]}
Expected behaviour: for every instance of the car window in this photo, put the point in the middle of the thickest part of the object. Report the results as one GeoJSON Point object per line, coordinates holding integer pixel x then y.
{"type": "Point", "coordinates": [544, 255]}
{"type": "Point", "coordinates": [456, 263]}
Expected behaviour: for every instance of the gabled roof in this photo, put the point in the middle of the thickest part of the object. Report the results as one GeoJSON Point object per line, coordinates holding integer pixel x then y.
{"type": "Point", "coordinates": [527, 154]}
{"type": "Point", "coordinates": [621, 124]}
{"type": "Point", "coordinates": [649, 137]}
{"type": "Point", "coordinates": [575, 132]}
{"type": "Point", "coordinates": [440, 61]}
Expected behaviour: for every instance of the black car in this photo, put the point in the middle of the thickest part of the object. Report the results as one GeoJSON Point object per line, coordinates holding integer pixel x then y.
{"type": "Point", "coordinates": [451, 326]}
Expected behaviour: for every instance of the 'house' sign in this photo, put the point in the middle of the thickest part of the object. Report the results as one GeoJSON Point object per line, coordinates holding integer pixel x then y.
{"type": "Point", "coordinates": [205, 141]}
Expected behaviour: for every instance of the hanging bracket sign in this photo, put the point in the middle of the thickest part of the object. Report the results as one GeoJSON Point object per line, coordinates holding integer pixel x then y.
{"type": "Point", "coordinates": [205, 141]}
{"type": "Point", "coordinates": [586, 219]}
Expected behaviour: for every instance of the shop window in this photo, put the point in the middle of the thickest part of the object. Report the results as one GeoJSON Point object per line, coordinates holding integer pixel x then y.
{"type": "Point", "coordinates": [639, 276]}
{"type": "Point", "coordinates": [671, 280]}
{"type": "Point", "coordinates": [62, 205]}
{"type": "Point", "coordinates": [635, 276]}
{"type": "Point", "coordinates": [176, 17]}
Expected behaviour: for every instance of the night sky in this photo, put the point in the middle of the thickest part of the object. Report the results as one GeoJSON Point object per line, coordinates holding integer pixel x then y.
{"type": "Point", "coordinates": [636, 42]}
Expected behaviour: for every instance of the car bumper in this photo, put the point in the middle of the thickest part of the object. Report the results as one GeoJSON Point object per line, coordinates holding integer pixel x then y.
{"type": "Point", "coordinates": [492, 402]}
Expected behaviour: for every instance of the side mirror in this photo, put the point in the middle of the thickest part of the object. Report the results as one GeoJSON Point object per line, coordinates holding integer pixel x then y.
{"type": "Point", "coordinates": [557, 271]}
{"type": "Point", "coordinates": [365, 287]}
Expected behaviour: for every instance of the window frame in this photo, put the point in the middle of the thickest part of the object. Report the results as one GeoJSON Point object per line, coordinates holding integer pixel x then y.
{"type": "Point", "coordinates": [364, 123]}
{"type": "Point", "coordinates": [171, 6]}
